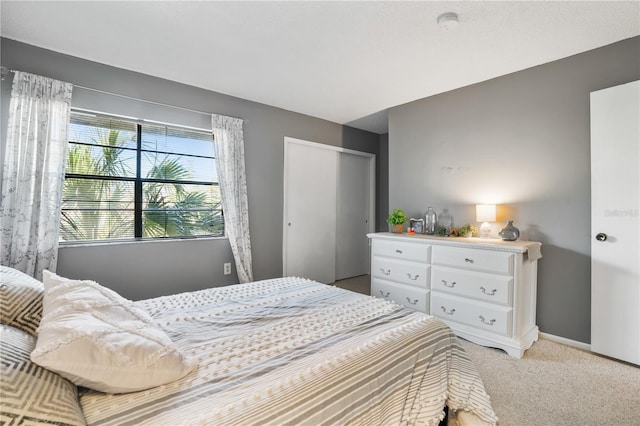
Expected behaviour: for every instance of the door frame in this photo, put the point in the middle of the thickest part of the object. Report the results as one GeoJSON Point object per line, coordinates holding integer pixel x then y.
{"type": "Point", "coordinates": [285, 203]}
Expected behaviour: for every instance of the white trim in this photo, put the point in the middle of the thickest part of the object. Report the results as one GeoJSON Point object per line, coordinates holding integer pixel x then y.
{"type": "Point", "coordinates": [95, 243]}
{"type": "Point", "coordinates": [565, 341]}
{"type": "Point", "coordinates": [288, 139]}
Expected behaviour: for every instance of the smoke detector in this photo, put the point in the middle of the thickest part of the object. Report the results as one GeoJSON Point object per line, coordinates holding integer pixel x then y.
{"type": "Point", "coordinates": [448, 21]}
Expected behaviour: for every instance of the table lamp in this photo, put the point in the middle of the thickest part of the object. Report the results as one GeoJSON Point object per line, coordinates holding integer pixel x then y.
{"type": "Point", "coordinates": [485, 213]}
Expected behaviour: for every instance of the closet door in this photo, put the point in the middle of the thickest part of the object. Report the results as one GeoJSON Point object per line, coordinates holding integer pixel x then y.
{"type": "Point", "coordinates": [615, 222]}
{"type": "Point", "coordinates": [328, 211]}
{"type": "Point", "coordinates": [309, 238]}
{"type": "Point", "coordinates": [352, 220]}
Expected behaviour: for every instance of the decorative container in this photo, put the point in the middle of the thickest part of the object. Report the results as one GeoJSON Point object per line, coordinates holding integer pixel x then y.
{"type": "Point", "coordinates": [509, 232]}
{"type": "Point", "coordinates": [397, 228]}
{"type": "Point", "coordinates": [445, 221]}
{"type": "Point", "coordinates": [430, 222]}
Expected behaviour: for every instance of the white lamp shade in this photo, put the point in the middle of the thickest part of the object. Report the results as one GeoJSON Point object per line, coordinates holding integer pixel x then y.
{"type": "Point", "coordinates": [485, 212]}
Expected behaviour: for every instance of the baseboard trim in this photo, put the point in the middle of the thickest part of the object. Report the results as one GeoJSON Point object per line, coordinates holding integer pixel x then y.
{"type": "Point", "coordinates": [565, 341]}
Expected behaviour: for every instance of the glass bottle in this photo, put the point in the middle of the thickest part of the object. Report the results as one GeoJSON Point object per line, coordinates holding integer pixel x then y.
{"type": "Point", "coordinates": [430, 222]}
{"type": "Point", "coordinates": [445, 220]}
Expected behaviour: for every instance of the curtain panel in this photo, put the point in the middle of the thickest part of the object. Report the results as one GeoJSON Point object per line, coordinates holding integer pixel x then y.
{"type": "Point", "coordinates": [229, 152]}
{"type": "Point", "coordinates": [33, 173]}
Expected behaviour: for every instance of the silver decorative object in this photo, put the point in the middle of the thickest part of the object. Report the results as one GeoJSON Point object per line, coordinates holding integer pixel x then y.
{"type": "Point", "coordinates": [509, 232]}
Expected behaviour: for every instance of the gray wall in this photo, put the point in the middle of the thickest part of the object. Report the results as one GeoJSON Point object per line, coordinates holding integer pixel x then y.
{"type": "Point", "coordinates": [521, 141]}
{"type": "Point", "coordinates": [147, 269]}
{"type": "Point", "coordinates": [382, 184]}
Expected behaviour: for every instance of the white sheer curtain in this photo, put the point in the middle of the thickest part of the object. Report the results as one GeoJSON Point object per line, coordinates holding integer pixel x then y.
{"type": "Point", "coordinates": [33, 172]}
{"type": "Point", "coordinates": [229, 151]}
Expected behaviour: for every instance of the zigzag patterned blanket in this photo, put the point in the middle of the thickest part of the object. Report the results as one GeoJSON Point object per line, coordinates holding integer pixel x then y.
{"type": "Point", "coordinates": [293, 351]}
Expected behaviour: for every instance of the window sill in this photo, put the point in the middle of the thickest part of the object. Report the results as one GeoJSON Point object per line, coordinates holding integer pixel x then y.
{"type": "Point", "coordinates": [74, 244]}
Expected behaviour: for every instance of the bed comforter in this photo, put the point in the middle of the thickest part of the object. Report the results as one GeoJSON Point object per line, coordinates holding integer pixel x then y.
{"type": "Point", "coordinates": [294, 351]}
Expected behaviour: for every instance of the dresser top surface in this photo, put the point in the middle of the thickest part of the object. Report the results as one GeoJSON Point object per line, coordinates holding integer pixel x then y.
{"type": "Point", "coordinates": [519, 246]}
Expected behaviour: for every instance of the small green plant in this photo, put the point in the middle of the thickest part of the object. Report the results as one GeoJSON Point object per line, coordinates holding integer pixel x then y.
{"type": "Point", "coordinates": [398, 217]}
{"type": "Point", "coordinates": [465, 230]}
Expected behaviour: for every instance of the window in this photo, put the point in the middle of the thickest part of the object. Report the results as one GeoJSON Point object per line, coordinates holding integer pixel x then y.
{"type": "Point", "coordinates": [127, 179]}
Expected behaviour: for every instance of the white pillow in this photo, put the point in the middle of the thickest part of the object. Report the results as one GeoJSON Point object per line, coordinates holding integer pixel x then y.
{"type": "Point", "coordinates": [94, 337]}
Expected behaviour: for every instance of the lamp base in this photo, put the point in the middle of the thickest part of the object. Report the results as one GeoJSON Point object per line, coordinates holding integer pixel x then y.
{"type": "Point", "coordinates": [485, 230]}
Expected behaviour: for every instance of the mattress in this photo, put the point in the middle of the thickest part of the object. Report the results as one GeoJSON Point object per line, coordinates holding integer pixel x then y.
{"type": "Point", "coordinates": [294, 351]}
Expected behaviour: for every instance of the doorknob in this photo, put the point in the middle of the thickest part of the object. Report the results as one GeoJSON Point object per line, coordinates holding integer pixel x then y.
{"type": "Point", "coordinates": [601, 237]}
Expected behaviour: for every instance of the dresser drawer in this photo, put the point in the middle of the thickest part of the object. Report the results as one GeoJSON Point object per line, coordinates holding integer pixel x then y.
{"type": "Point", "coordinates": [494, 318]}
{"type": "Point", "coordinates": [402, 250]}
{"type": "Point", "coordinates": [410, 297]}
{"type": "Point", "coordinates": [475, 259]}
{"type": "Point", "coordinates": [478, 285]}
{"type": "Point", "coordinates": [410, 273]}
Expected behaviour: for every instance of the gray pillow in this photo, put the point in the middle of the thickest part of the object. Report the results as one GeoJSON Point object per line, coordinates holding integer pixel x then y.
{"type": "Point", "coordinates": [31, 394]}
{"type": "Point", "coordinates": [20, 300]}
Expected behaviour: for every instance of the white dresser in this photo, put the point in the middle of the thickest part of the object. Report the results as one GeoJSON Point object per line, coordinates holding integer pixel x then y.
{"type": "Point", "coordinates": [484, 289]}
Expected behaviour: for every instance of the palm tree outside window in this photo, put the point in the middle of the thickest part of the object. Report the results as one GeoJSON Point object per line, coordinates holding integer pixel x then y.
{"type": "Point", "coordinates": [128, 179]}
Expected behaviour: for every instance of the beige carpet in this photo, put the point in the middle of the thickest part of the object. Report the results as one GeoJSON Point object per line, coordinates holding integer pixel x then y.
{"type": "Point", "coordinates": [554, 384]}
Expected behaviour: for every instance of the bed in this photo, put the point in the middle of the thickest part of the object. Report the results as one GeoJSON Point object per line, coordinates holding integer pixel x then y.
{"type": "Point", "coordinates": [286, 351]}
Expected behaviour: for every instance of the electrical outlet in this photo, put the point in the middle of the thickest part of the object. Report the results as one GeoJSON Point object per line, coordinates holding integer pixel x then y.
{"type": "Point", "coordinates": [227, 268]}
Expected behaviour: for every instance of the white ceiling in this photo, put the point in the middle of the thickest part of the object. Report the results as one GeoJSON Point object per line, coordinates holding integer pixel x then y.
{"type": "Point", "coordinates": [347, 62]}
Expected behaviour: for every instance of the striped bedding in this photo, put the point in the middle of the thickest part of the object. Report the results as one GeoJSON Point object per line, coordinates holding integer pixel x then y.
{"type": "Point", "coordinates": [294, 351]}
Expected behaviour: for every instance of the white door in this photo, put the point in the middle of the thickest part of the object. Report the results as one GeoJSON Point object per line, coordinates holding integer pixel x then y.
{"type": "Point", "coordinates": [353, 208]}
{"type": "Point", "coordinates": [615, 222]}
{"type": "Point", "coordinates": [309, 238]}
{"type": "Point", "coordinates": [329, 206]}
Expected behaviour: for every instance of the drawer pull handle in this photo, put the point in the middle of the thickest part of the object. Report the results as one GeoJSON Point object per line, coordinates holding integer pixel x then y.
{"type": "Point", "coordinates": [398, 251]}
{"type": "Point", "coordinates": [415, 302]}
{"type": "Point", "coordinates": [385, 271]}
{"type": "Point", "coordinates": [488, 293]}
{"type": "Point", "coordinates": [446, 284]}
{"type": "Point", "coordinates": [490, 322]}
{"type": "Point", "coordinates": [383, 294]}
{"type": "Point", "coordinates": [445, 310]}
{"type": "Point", "coordinates": [412, 278]}
{"type": "Point", "coordinates": [466, 259]}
